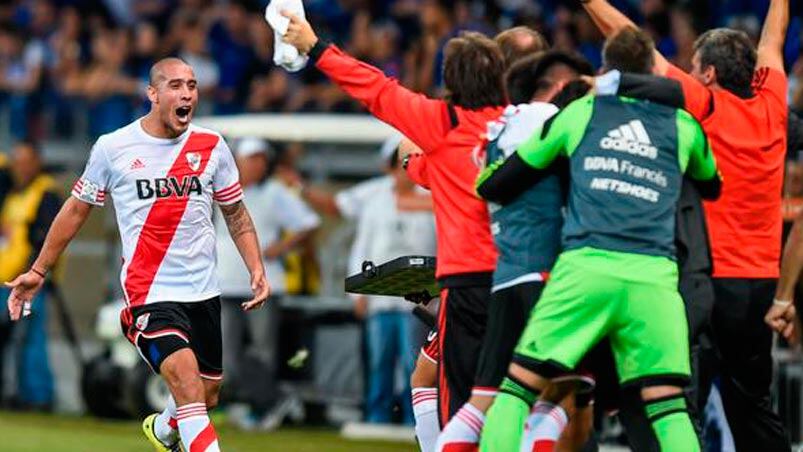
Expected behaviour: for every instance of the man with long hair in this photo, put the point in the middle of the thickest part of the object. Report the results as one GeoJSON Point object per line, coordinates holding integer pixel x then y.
{"type": "Point", "coordinates": [448, 133]}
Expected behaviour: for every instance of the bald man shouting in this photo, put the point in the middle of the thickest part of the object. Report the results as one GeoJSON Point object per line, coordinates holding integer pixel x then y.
{"type": "Point", "coordinates": [163, 174]}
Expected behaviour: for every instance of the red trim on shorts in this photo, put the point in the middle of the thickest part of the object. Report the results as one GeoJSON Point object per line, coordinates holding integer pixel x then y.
{"type": "Point", "coordinates": [427, 356]}
{"type": "Point", "coordinates": [161, 333]}
{"type": "Point", "coordinates": [486, 391]}
{"type": "Point", "coordinates": [484, 388]}
{"type": "Point", "coordinates": [126, 318]}
{"type": "Point", "coordinates": [443, 387]}
{"type": "Point", "coordinates": [430, 350]}
{"type": "Point", "coordinates": [163, 219]}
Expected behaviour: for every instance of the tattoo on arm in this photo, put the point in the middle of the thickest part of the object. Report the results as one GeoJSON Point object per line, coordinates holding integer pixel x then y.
{"type": "Point", "coordinates": [237, 219]}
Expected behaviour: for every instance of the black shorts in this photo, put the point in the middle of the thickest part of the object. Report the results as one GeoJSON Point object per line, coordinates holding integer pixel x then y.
{"type": "Point", "coordinates": [508, 313]}
{"type": "Point", "coordinates": [462, 318]}
{"type": "Point", "coordinates": [160, 329]}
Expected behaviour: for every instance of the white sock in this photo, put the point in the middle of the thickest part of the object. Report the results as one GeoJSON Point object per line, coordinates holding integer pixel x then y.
{"type": "Point", "coordinates": [543, 427]}
{"type": "Point", "coordinates": [425, 410]}
{"type": "Point", "coordinates": [166, 425]}
{"type": "Point", "coordinates": [197, 433]}
{"type": "Point", "coordinates": [464, 428]}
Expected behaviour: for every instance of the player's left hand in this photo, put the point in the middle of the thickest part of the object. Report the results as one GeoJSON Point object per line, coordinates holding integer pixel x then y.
{"type": "Point", "coordinates": [299, 33]}
{"type": "Point", "coordinates": [261, 289]}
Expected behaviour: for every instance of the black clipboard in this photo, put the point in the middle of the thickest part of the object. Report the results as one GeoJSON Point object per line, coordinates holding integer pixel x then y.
{"type": "Point", "coordinates": [410, 277]}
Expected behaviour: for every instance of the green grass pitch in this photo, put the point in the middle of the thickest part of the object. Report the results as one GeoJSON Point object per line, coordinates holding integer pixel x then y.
{"type": "Point", "coordinates": [23, 432]}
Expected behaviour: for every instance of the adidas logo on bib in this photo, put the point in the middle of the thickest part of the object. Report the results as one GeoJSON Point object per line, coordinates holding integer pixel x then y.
{"type": "Point", "coordinates": [632, 138]}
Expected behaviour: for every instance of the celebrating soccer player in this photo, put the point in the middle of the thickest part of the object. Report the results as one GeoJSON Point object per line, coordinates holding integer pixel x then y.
{"type": "Point", "coordinates": [163, 174]}
{"type": "Point", "coordinates": [617, 272]}
{"type": "Point", "coordinates": [738, 93]}
{"type": "Point", "coordinates": [526, 233]}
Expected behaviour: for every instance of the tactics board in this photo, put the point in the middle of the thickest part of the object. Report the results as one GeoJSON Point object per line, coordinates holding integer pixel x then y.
{"type": "Point", "coordinates": [406, 276]}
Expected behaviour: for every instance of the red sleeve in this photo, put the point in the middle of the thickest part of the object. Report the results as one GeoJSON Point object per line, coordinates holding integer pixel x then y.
{"type": "Point", "coordinates": [771, 85]}
{"type": "Point", "coordinates": [698, 99]}
{"type": "Point", "coordinates": [417, 170]}
{"type": "Point", "coordinates": [423, 120]}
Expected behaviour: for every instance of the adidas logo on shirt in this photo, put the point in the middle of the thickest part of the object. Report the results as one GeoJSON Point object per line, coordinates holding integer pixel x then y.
{"type": "Point", "coordinates": [632, 138]}
{"type": "Point", "coordinates": [137, 164]}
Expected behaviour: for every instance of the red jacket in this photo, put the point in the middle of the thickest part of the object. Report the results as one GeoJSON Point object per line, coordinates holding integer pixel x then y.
{"type": "Point", "coordinates": [450, 164]}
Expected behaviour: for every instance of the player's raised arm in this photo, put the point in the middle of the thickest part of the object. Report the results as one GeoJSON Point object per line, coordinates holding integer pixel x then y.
{"type": "Point", "coordinates": [610, 20]}
{"type": "Point", "coordinates": [66, 224]}
{"type": "Point", "coordinates": [383, 96]}
{"type": "Point", "coordinates": [773, 36]}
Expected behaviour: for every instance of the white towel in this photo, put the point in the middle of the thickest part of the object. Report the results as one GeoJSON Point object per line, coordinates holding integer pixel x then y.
{"type": "Point", "coordinates": [608, 83]}
{"type": "Point", "coordinates": [284, 54]}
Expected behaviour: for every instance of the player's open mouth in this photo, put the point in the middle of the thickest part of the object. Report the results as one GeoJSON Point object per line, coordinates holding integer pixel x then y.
{"type": "Point", "coordinates": [183, 113]}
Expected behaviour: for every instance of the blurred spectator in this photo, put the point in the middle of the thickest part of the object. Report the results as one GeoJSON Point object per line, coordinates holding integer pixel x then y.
{"type": "Point", "coordinates": [51, 50]}
{"type": "Point", "coordinates": [384, 50]}
{"type": "Point", "coordinates": [269, 92]}
{"type": "Point", "coordinates": [519, 42]}
{"type": "Point", "coordinates": [27, 211]}
{"type": "Point", "coordinates": [385, 232]}
{"type": "Point", "coordinates": [145, 53]}
{"type": "Point", "coordinates": [6, 326]}
{"type": "Point", "coordinates": [437, 25]}
{"type": "Point", "coordinates": [20, 78]}
{"type": "Point", "coordinates": [195, 52]}
{"type": "Point", "coordinates": [145, 49]}
{"type": "Point", "coordinates": [65, 52]}
{"type": "Point", "coordinates": [108, 89]}
{"type": "Point", "coordinates": [301, 267]}
{"type": "Point", "coordinates": [235, 56]}
{"type": "Point", "coordinates": [393, 219]}
{"type": "Point", "coordinates": [282, 221]}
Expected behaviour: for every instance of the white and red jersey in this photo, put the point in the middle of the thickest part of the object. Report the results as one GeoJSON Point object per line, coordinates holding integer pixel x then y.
{"type": "Point", "coordinates": [162, 191]}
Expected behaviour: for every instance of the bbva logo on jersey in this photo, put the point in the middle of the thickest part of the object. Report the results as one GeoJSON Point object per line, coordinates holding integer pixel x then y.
{"type": "Point", "coordinates": [165, 187]}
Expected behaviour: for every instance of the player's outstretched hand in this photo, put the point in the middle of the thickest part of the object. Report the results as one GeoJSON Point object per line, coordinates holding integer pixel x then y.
{"type": "Point", "coordinates": [299, 33]}
{"type": "Point", "coordinates": [261, 289]}
{"type": "Point", "coordinates": [23, 288]}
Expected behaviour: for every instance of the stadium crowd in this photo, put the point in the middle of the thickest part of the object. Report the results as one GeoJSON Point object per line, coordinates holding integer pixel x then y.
{"type": "Point", "coordinates": [69, 66]}
{"type": "Point", "coordinates": [63, 59]}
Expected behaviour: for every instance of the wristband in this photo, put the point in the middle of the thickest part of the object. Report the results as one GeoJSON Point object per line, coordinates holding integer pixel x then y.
{"type": "Point", "coordinates": [43, 275]}
{"type": "Point", "coordinates": [778, 302]}
{"type": "Point", "coordinates": [317, 50]}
